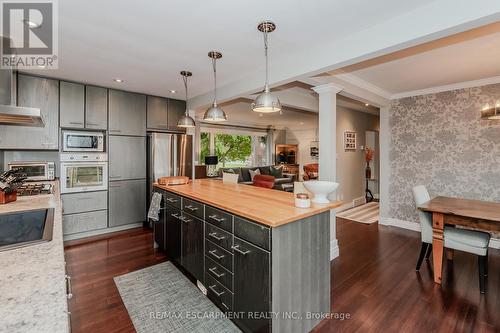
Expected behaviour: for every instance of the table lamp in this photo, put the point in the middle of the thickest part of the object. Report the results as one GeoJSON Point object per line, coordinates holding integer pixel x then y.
{"type": "Point", "coordinates": [211, 163]}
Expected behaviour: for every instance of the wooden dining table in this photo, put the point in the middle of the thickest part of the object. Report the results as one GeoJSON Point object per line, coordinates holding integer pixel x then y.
{"type": "Point", "coordinates": [473, 214]}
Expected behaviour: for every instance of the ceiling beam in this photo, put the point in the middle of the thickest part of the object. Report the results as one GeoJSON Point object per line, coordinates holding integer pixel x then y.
{"type": "Point", "coordinates": [435, 20]}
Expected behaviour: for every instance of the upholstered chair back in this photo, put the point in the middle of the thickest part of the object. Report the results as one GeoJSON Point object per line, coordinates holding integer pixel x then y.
{"type": "Point", "coordinates": [420, 195]}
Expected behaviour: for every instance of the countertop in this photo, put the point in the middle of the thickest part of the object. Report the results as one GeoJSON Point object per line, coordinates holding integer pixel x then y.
{"type": "Point", "coordinates": [270, 207]}
{"type": "Point", "coordinates": [32, 283]}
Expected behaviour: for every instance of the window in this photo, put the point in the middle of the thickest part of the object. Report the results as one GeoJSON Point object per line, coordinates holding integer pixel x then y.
{"type": "Point", "coordinates": [234, 148]}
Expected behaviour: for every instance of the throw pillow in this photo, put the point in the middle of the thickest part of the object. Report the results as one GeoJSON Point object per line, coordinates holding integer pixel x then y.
{"type": "Point", "coordinates": [277, 172]}
{"type": "Point", "coordinates": [253, 173]}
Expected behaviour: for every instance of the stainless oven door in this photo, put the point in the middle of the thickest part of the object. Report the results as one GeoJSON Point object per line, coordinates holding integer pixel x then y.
{"type": "Point", "coordinates": [83, 141]}
{"type": "Point", "coordinates": [84, 177]}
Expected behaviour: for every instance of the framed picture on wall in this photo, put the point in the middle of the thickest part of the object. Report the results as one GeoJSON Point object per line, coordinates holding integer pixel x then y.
{"type": "Point", "coordinates": [349, 140]}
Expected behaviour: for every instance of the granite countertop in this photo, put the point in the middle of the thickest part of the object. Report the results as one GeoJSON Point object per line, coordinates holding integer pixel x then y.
{"type": "Point", "coordinates": [32, 283]}
{"type": "Point", "coordinates": [270, 207]}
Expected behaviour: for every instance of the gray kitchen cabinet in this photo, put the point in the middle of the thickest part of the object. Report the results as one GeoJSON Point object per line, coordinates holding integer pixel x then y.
{"type": "Point", "coordinates": [176, 109]}
{"type": "Point", "coordinates": [127, 202]}
{"type": "Point", "coordinates": [157, 113]}
{"type": "Point", "coordinates": [38, 93]}
{"type": "Point", "coordinates": [82, 222]}
{"type": "Point", "coordinates": [84, 202]}
{"type": "Point", "coordinates": [127, 113]}
{"type": "Point", "coordinates": [71, 104]}
{"type": "Point", "coordinates": [96, 107]}
{"type": "Point", "coordinates": [127, 157]}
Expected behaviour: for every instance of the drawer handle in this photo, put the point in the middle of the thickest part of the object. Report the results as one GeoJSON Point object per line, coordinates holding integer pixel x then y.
{"type": "Point", "coordinates": [69, 288]}
{"type": "Point", "coordinates": [76, 123]}
{"type": "Point", "coordinates": [214, 217]}
{"type": "Point", "coordinates": [175, 215]}
{"type": "Point", "coordinates": [191, 208]}
{"type": "Point", "coordinates": [213, 253]}
{"type": "Point", "coordinates": [115, 130]}
{"type": "Point", "coordinates": [237, 249]}
{"type": "Point", "coordinates": [215, 273]}
{"type": "Point", "coordinates": [185, 219]}
{"type": "Point", "coordinates": [113, 177]}
{"type": "Point", "coordinates": [214, 236]}
{"type": "Point", "coordinates": [215, 291]}
{"type": "Point", "coordinates": [171, 200]}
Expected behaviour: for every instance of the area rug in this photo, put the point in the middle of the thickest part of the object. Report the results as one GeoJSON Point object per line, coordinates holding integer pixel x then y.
{"type": "Point", "coordinates": [368, 213]}
{"type": "Point", "coordinates": [161, 299]}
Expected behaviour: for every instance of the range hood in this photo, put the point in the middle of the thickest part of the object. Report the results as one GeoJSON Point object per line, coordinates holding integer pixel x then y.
{"type": "Point", "coordinates": [10, 114]}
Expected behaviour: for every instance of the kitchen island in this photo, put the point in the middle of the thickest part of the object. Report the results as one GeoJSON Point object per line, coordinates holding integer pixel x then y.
{"type": "Point", "coordinates": [262, 260]}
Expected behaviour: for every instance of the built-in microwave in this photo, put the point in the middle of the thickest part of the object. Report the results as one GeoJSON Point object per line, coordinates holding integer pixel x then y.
{"type": "Point", "coordinates": [74, 141]}
{"type": "Point", "coordinates": [83, 172]}
{"type": "Point", "coordinates": [35, 171]}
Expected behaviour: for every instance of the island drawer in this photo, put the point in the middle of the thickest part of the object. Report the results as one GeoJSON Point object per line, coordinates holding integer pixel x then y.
{"type": "Point", "coordinates": [219, 273]}
{"type": "Point", "coordinates": [219, 255]}
{"type": "Point", "coordinates": [222, 297]}
{"type": "Point", "coordinates": [172, 199]}
{"type": "Point", "coordinates": [219, 236]}
{"type": "Point", "coordinates": [219, 218]}
{"type": "Point", "coordinates": [252, 232]}
{"type": "Point", "coordinates": [84, 202]}
{"type": "Point", "coordinates": [193, 207]}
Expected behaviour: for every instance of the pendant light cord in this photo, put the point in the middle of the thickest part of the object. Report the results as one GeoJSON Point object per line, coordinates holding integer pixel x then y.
{"type": "Point", "coordinates": [266, 87]}
{"type": "Point", "coordinates": [215, 80]}
{"type": "Point", "coordinates": [185, 79]}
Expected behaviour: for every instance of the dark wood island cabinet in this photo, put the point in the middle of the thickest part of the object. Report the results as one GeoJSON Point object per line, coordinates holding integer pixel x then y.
{"type": "Point", "coordinates": [260, 258]}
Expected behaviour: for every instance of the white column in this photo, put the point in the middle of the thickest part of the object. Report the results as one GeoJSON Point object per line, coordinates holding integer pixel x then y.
{"type": "Point", "coordinates": [385, 169]}
{"type": "Point", "coordinates": [328, 148]}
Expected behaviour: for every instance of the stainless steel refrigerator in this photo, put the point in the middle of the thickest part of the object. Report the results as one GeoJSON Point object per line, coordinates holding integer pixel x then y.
{"type": "Point", "coordinates": [168, 155]}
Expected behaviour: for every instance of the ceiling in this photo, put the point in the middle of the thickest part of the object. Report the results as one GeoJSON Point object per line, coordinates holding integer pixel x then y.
{"type": "Point", "coordinates": [148, 45]}
{"type": "Point", "coordinates": [467, 56]}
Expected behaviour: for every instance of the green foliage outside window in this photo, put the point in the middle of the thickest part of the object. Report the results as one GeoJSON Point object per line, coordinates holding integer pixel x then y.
{"type": "Point", "coordinates": [233, 150]}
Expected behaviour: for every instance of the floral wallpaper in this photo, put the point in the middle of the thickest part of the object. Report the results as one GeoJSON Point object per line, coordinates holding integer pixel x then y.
{"type": "Point", "coordinates": [439, 140]}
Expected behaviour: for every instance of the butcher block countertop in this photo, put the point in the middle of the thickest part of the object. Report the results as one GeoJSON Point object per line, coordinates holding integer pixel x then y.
{"type": "Point", "coordinates": [270, 207]}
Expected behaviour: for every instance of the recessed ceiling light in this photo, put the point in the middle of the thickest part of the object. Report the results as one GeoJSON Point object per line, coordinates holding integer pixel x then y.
{"type": "Point", "coordinates": [366, 104]}
{"type": "Point", "coordinates": [32, 24]}
{"type": "Point", "coordinates": [173, 91]}
{"type": "Point", "coordinates": [119, 80]}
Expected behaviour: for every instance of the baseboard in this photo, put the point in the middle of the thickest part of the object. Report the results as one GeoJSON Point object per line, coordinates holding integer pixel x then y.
{"type": "Point", "coordinates": [334, 249]}
{"type": "Point", "coordinates": [389, 221]}
{"type": "Point", "coordinates": [101, 231]}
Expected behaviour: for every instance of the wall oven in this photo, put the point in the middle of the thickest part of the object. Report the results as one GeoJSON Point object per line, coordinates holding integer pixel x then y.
{"type": "Point", "coordinates": [83, 172]}
{"type": "Point", "coordinates": [75, 141]}
{"type": "Point", "coordinates": [35, 171]}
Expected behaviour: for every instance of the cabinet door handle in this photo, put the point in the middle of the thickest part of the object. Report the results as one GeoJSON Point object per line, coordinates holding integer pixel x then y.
{"type": "Point", "coordinates": [171, 200]}
{"type": "Point", "coordinates": [214, 217]}
{"type": "Point", "coordinates": [191, 208]}
{"type": "Point", "coordinates": [214, 236]}
{"type": "Point", "coordinates": [215, 291]}
{"type": "Point", "coordinates": [213, 253]}
{"type": "Point", "coordinates": [115, 130]}
{"type": "Point", "coordinates": [69, 288]}
{"type": "Point", "coordinates": [237, 249]}
{"type": "Point", "coordinates": [76, 123]}
{"type": "Point", "coordinates": [114, 177]}
{"type": "Point", "coordinates": [215, 273]}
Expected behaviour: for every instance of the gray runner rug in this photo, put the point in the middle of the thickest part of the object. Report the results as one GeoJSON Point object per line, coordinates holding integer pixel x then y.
{"type": "Point", "coordinates": [160, 299]}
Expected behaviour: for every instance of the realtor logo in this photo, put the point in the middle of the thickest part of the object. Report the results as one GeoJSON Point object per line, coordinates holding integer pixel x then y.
{"type": "Point", "coordinates": [29, 34]}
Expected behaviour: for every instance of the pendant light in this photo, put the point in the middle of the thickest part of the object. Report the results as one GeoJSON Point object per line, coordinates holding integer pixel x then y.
{"type": "Point", "coordinates": [266, 102]}
{"type": "Point", "coordinates": [215, 113]}
{"type": "Point", "coordinates": [186, 121]}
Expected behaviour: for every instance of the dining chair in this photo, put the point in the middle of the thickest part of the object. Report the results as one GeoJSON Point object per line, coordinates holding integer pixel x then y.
{"type": "Point", "coordinates": [265, 181]}
{"type": "Point", "coordinates": [230, 178]}
{"type": "Point", "coordinates": [474, 242]}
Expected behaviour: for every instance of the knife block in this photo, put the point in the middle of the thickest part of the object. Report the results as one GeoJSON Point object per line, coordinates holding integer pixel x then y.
{"type": "Point", "coordinates": [6, 198]}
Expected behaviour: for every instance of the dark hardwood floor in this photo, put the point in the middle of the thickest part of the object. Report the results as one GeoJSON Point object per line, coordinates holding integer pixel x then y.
{"type": "Point", "coordinates": [374, 282]}
{"type": "Point", "coordinates": [96, 306]}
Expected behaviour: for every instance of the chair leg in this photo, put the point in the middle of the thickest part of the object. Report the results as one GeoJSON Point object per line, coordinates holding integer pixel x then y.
{"type": "Point", "coordinates": [482, 261]}
{"type": "Point", "coordinates": [421, 256]}
{"type": "Point", "coordinates": [429, 251]}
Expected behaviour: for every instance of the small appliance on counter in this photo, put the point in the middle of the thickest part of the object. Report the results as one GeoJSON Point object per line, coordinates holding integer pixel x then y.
{"type": "Point", "coordinates": [35, 171]}
{"type": "Point", "coordinates": [10, 181]}
{"type": "Point", "coordinates": [83, 172]}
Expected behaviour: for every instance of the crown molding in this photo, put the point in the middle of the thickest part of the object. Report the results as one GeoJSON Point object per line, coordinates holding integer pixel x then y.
{"type": "Point", "coordinates": [448, 87]}
{"type": "Point", "coordinates": [355, 80]}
